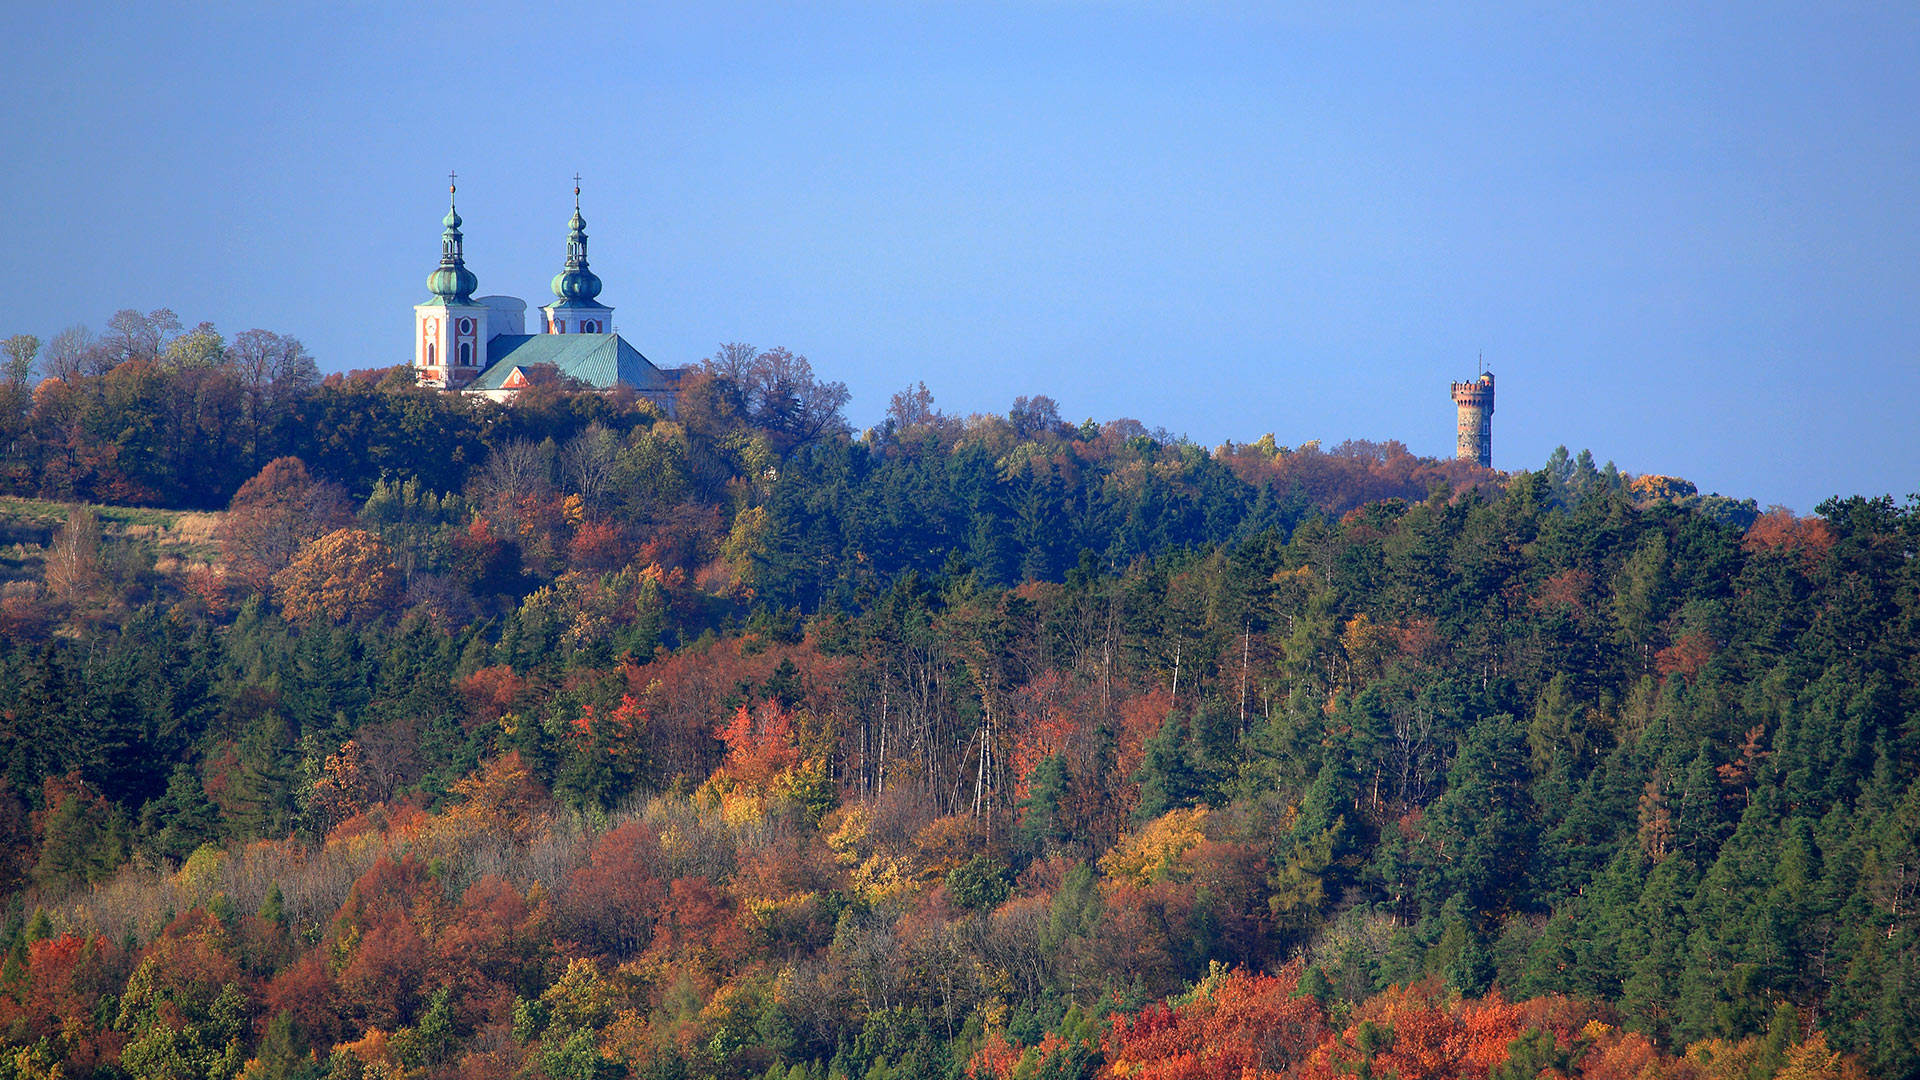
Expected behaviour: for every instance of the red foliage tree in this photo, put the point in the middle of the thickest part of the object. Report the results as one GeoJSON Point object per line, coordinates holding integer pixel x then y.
{"type": "Point", "coordinates": [699, 923]}
{"type": "Point", "coordinates": [64, 977]}
{"type": "Point", "coordinates": [597, 547]}
{"type": "Point", "coordinates": [305, 990]}
{"type": "Point", "coordinates": [273, 515]}
{"type": "Point", "coordinates": [377, 930]}
{"type": "Point", "coordinates": [489, 694]}
{"type": "Point", "coordinates": [610, 905]}
{"type": "Point", "coordinates": [493, 946]}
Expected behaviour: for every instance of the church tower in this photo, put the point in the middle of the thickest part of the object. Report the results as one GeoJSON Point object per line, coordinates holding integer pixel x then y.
{"type": "Point", "coordinates": [1473, 401]}
{"type": "Point", "coordinates": [574, 309]}
{"type": "Point", "coordinates": [450, 329]}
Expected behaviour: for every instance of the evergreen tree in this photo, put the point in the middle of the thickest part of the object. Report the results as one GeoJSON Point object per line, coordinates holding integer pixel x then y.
{"type": "Point", "coordinates": [176, 824]}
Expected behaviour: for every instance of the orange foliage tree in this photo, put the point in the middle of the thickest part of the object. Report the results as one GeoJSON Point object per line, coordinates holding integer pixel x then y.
{"type": "Point", "coordinates": [1232, 1024]}
{"type": "Point", "coordinates": [760, 744]}
{"type": "Point", "coordinates": [1418, 1032]}
{"type": "Point", "coordinates": [346, 576]}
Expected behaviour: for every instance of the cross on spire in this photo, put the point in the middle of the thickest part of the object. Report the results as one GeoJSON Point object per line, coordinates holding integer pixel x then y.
{"type": "Point", "coordinates": [450, 178]}
{"type": "Point", "coordinates": [576, 191]}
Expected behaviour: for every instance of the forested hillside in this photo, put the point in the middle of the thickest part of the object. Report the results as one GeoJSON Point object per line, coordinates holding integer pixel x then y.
{"type": "Point", "coordinates": [406, 735]}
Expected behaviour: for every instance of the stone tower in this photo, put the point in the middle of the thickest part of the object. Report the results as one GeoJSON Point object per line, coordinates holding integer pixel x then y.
{"type": "Point", "coordinates": [1474, 401]}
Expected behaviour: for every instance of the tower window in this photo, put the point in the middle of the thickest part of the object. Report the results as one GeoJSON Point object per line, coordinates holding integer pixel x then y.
{"type": "Point", "coordinates": [466, 326]}
{"type": "Point", "coordinates": [466, 353]}
{"type": "Point", "coordinates": [433, 354]}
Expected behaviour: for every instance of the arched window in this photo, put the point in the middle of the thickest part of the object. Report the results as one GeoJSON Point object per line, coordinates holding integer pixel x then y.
{"type": "Point", "coordinates": [466, 353]}
{"type": "Point", "coordinates": [433, 354]}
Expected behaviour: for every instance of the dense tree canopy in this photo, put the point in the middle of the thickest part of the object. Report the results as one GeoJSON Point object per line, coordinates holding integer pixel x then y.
{"type": "Point", "coordinates": [573, 740]}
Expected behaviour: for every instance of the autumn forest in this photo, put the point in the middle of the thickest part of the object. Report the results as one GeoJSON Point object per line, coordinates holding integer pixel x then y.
{"type": "Point", "coordinates": [351, 730]}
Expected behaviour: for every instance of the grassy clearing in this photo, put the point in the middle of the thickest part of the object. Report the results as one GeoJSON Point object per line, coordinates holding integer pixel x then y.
{"type": "Point", "coordinates": [27, 526]}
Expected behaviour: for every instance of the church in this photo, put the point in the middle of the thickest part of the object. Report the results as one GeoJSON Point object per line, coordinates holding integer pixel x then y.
{"type": "Point", "coordinates": [481, 345]}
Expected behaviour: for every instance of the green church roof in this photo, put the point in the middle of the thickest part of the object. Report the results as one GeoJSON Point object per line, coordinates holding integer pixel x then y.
{"type": "Point", "coordinates": [452, 284]}
{"type": "Point", "coordinates": [575, 285]}
{"type": "Point", "coordinates": [599, 360]}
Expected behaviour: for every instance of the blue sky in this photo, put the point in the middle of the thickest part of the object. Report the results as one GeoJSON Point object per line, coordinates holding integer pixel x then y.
{"type": "Point", "coordinates": [1685, 236]}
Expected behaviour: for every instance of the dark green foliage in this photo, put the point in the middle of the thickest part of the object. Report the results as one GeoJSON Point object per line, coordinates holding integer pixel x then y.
{"type": "Point", "coordinates": [1188, 761]}
{"type": "Point", "coordinates": [980, 883]}
{"type": "Point", "coordinates": [180, 820]}
{"type": "Point", "coordinates": [1483, 828]}
{"type": "Point", "coordinates": [1534, 1053]}
{"type": "Point", "coordinates": [83, 836]}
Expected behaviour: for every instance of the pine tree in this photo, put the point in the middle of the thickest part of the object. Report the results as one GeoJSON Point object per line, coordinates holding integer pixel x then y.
{"type": "Point", "coordinates": [180, 820]}
{"type": "Point", "coordinates": [1483, 827]}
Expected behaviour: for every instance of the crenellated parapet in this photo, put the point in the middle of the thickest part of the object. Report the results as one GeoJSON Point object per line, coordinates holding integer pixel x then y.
{"type": "Point", "coordinates": [1473, 403]}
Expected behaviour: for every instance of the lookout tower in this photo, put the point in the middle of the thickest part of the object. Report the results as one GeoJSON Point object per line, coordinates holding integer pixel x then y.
{"type": "Point", "coordinates": [1474, 403]}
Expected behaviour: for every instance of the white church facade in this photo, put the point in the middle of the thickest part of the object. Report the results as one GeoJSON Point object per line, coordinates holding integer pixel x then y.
{"type": "Point", "coordinates": [480, 345]}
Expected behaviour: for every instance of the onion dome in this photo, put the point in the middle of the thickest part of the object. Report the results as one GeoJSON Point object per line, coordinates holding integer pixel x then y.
{"type": "Point", "coordinates": [576, 285]}
{"type": "Point", "coordinates": [452, 283]}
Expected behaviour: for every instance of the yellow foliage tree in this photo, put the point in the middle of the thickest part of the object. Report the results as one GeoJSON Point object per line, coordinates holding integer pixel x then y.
{"type": "Point", "coordinates": [1651, 487]}
{"type": "Point", "coordinates": [1153, 853]}
{"type": "Point", "coordinates": [748, 542]}
{"type": "Point", "coordinates": [1812, 1060]}
{"type": "Point", "coordinates": [346, 576]}
{"type": "Point", "coordinates": [1368, 646]}
{"type": "Point", "coordinates": [875, 874]}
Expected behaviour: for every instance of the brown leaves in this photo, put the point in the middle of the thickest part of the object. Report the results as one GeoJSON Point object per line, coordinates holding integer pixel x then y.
{"type": "Point", "coordinates": [1780, 530]}
{"type": "Point", "coordinates": [1687, 656]}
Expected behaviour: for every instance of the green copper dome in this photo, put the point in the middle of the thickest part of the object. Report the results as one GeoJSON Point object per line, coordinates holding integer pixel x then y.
{"type": "Point", "coordinates": [576, 286]}
{"type": "Point", "coordinates": [452, 283]}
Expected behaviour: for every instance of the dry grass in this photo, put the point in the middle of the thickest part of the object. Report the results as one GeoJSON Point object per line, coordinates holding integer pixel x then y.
{"type": "Point", "coordinates": [179, 539]}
